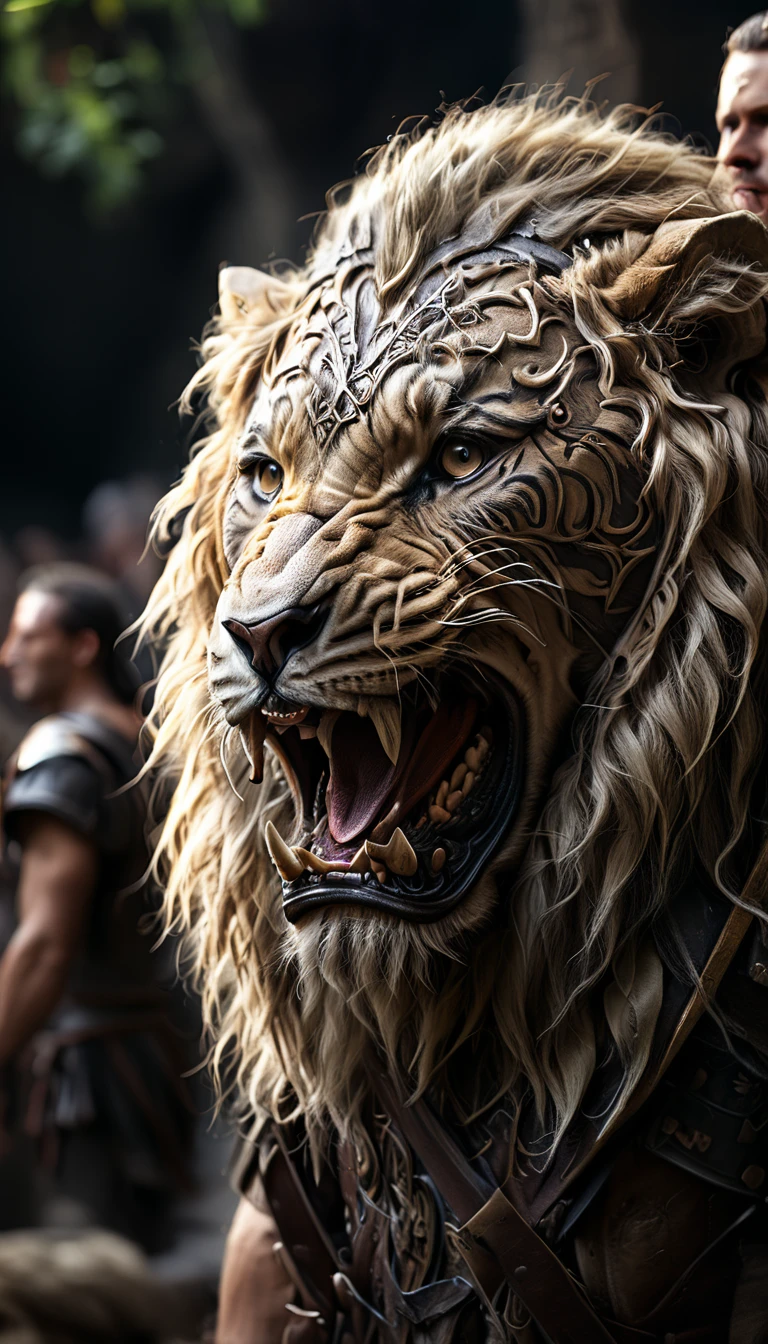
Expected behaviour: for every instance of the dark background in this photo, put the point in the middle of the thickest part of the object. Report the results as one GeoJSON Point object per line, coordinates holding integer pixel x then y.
{"type": "Point", "coordinates": [100, 313]}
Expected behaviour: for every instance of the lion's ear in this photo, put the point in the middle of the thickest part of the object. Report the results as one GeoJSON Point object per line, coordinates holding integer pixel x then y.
{"type": "Point", "coordinates": [651, 283]}
{"type": "Point", "coordinates": [243, 289]}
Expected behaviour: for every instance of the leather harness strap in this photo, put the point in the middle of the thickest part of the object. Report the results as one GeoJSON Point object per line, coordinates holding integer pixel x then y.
{"type": "Point", "coordinates": [491, 1223]}
{"type": "Point", "coordinates": [305, 1248]}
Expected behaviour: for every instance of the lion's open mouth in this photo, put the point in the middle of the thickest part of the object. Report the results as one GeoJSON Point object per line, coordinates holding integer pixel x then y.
{"type": "Point", "coordinates": [400, 808]}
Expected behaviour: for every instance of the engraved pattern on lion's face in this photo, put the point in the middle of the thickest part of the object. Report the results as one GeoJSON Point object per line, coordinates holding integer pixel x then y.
{"type": "Point", "coordinates": [437, 506]}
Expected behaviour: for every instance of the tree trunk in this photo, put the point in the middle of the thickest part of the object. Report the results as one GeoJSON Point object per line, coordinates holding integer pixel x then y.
{"type": "Point", "coordinates": [260, 219]}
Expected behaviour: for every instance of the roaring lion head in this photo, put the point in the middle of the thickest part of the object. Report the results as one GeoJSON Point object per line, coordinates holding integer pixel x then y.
{"type": "Point", "coordinates": [463, 608]}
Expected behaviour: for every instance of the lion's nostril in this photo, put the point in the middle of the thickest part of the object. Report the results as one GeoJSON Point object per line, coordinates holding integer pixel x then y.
{"type": "Point", "coordinates": [269, 644]}
{"type": "Point", "coordinates": [239, 634]}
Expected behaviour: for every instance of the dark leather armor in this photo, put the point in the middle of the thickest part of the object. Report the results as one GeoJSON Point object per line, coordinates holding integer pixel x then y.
{"type": "Point", "coordinates": [663, 1225]}
{"type": "Point", "coordinates": [108, 1061]}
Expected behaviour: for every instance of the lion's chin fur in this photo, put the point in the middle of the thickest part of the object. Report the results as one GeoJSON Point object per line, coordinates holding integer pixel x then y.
{"type": "Point", "coordinates": [368, 983]}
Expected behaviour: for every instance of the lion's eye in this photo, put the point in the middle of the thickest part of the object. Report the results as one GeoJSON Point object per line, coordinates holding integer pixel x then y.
{"type": "Point", "coordinates": [460, 459]}
{"type": "Point", "coordinates": [267, 478]}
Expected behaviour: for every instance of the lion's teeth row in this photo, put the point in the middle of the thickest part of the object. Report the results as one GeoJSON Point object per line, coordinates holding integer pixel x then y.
{"type": "Point", "coordinates": [384, 715]}
{"type": "Point", "coordinates": [452, 792]}
{"type": "Point", "coordinates": [397, 856]}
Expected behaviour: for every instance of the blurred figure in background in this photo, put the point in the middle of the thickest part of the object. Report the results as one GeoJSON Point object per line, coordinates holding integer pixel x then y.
{"type": "Point", "coordinates": [115, 520]}
{"type": "Point", "coordinates": [81, 1018]}
{"type": "Point", "coordinates": [88, 1286]}
{"type": "Point", "coordinates": [742, 115]}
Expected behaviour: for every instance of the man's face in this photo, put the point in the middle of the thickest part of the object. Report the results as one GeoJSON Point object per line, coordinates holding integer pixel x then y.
{"type": "Point", "coordinates": [40, 657]}
{"type": "Point", "coordinates": [742, 120]}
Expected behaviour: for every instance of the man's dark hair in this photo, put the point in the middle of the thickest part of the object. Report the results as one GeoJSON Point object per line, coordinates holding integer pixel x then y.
{"type": "Point", "coordinates": [751, 35]}
{"type": "Point", "coordinates": [90, 601]}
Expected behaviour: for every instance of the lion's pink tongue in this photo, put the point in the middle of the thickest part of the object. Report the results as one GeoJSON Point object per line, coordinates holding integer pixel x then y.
{"type": "Point", "coordinates": [361, 777]}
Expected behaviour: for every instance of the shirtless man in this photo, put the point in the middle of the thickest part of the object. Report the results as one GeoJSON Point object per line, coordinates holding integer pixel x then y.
{"type": "Point", "coordinates": [742, 115]}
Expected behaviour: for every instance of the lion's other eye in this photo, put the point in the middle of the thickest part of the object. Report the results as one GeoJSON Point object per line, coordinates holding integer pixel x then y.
{"type": "Point", "coordinates": [461, 459]}
{"type": "Point", "coordinates": [267, 478]}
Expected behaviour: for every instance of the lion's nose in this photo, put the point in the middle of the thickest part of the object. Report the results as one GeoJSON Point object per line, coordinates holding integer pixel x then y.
{"type": "Point", "coordinates": [269, 644]}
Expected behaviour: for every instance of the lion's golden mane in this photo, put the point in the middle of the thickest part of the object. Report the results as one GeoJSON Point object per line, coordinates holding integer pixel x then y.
{"type": "Point", "coordinates": [665, 754]}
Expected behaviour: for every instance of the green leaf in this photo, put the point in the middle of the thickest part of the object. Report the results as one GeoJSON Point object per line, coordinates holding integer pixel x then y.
{"type": "Point", "coordinates": [67, 149]}
{"type": "Point", "coordinates": [91, 113]}
{"type": "Point", "coordinates": [146, 142]}
{"type": "Point", "coordinates": [108, 13]}
{"type": "Point", "coordinates": [16, 6]}
{"type": "Point", "coordinates": [108, 73]}
{"type": "Point", "coordinates": [246, 12]}
{"type": "Point", "coordinates": [144, 62]}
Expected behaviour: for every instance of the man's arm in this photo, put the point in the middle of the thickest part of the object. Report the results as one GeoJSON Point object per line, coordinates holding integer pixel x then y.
{"type": "Point", "coordinates": [254, 1286]}
{"type": "Point", "coordinates": [58, 875]}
